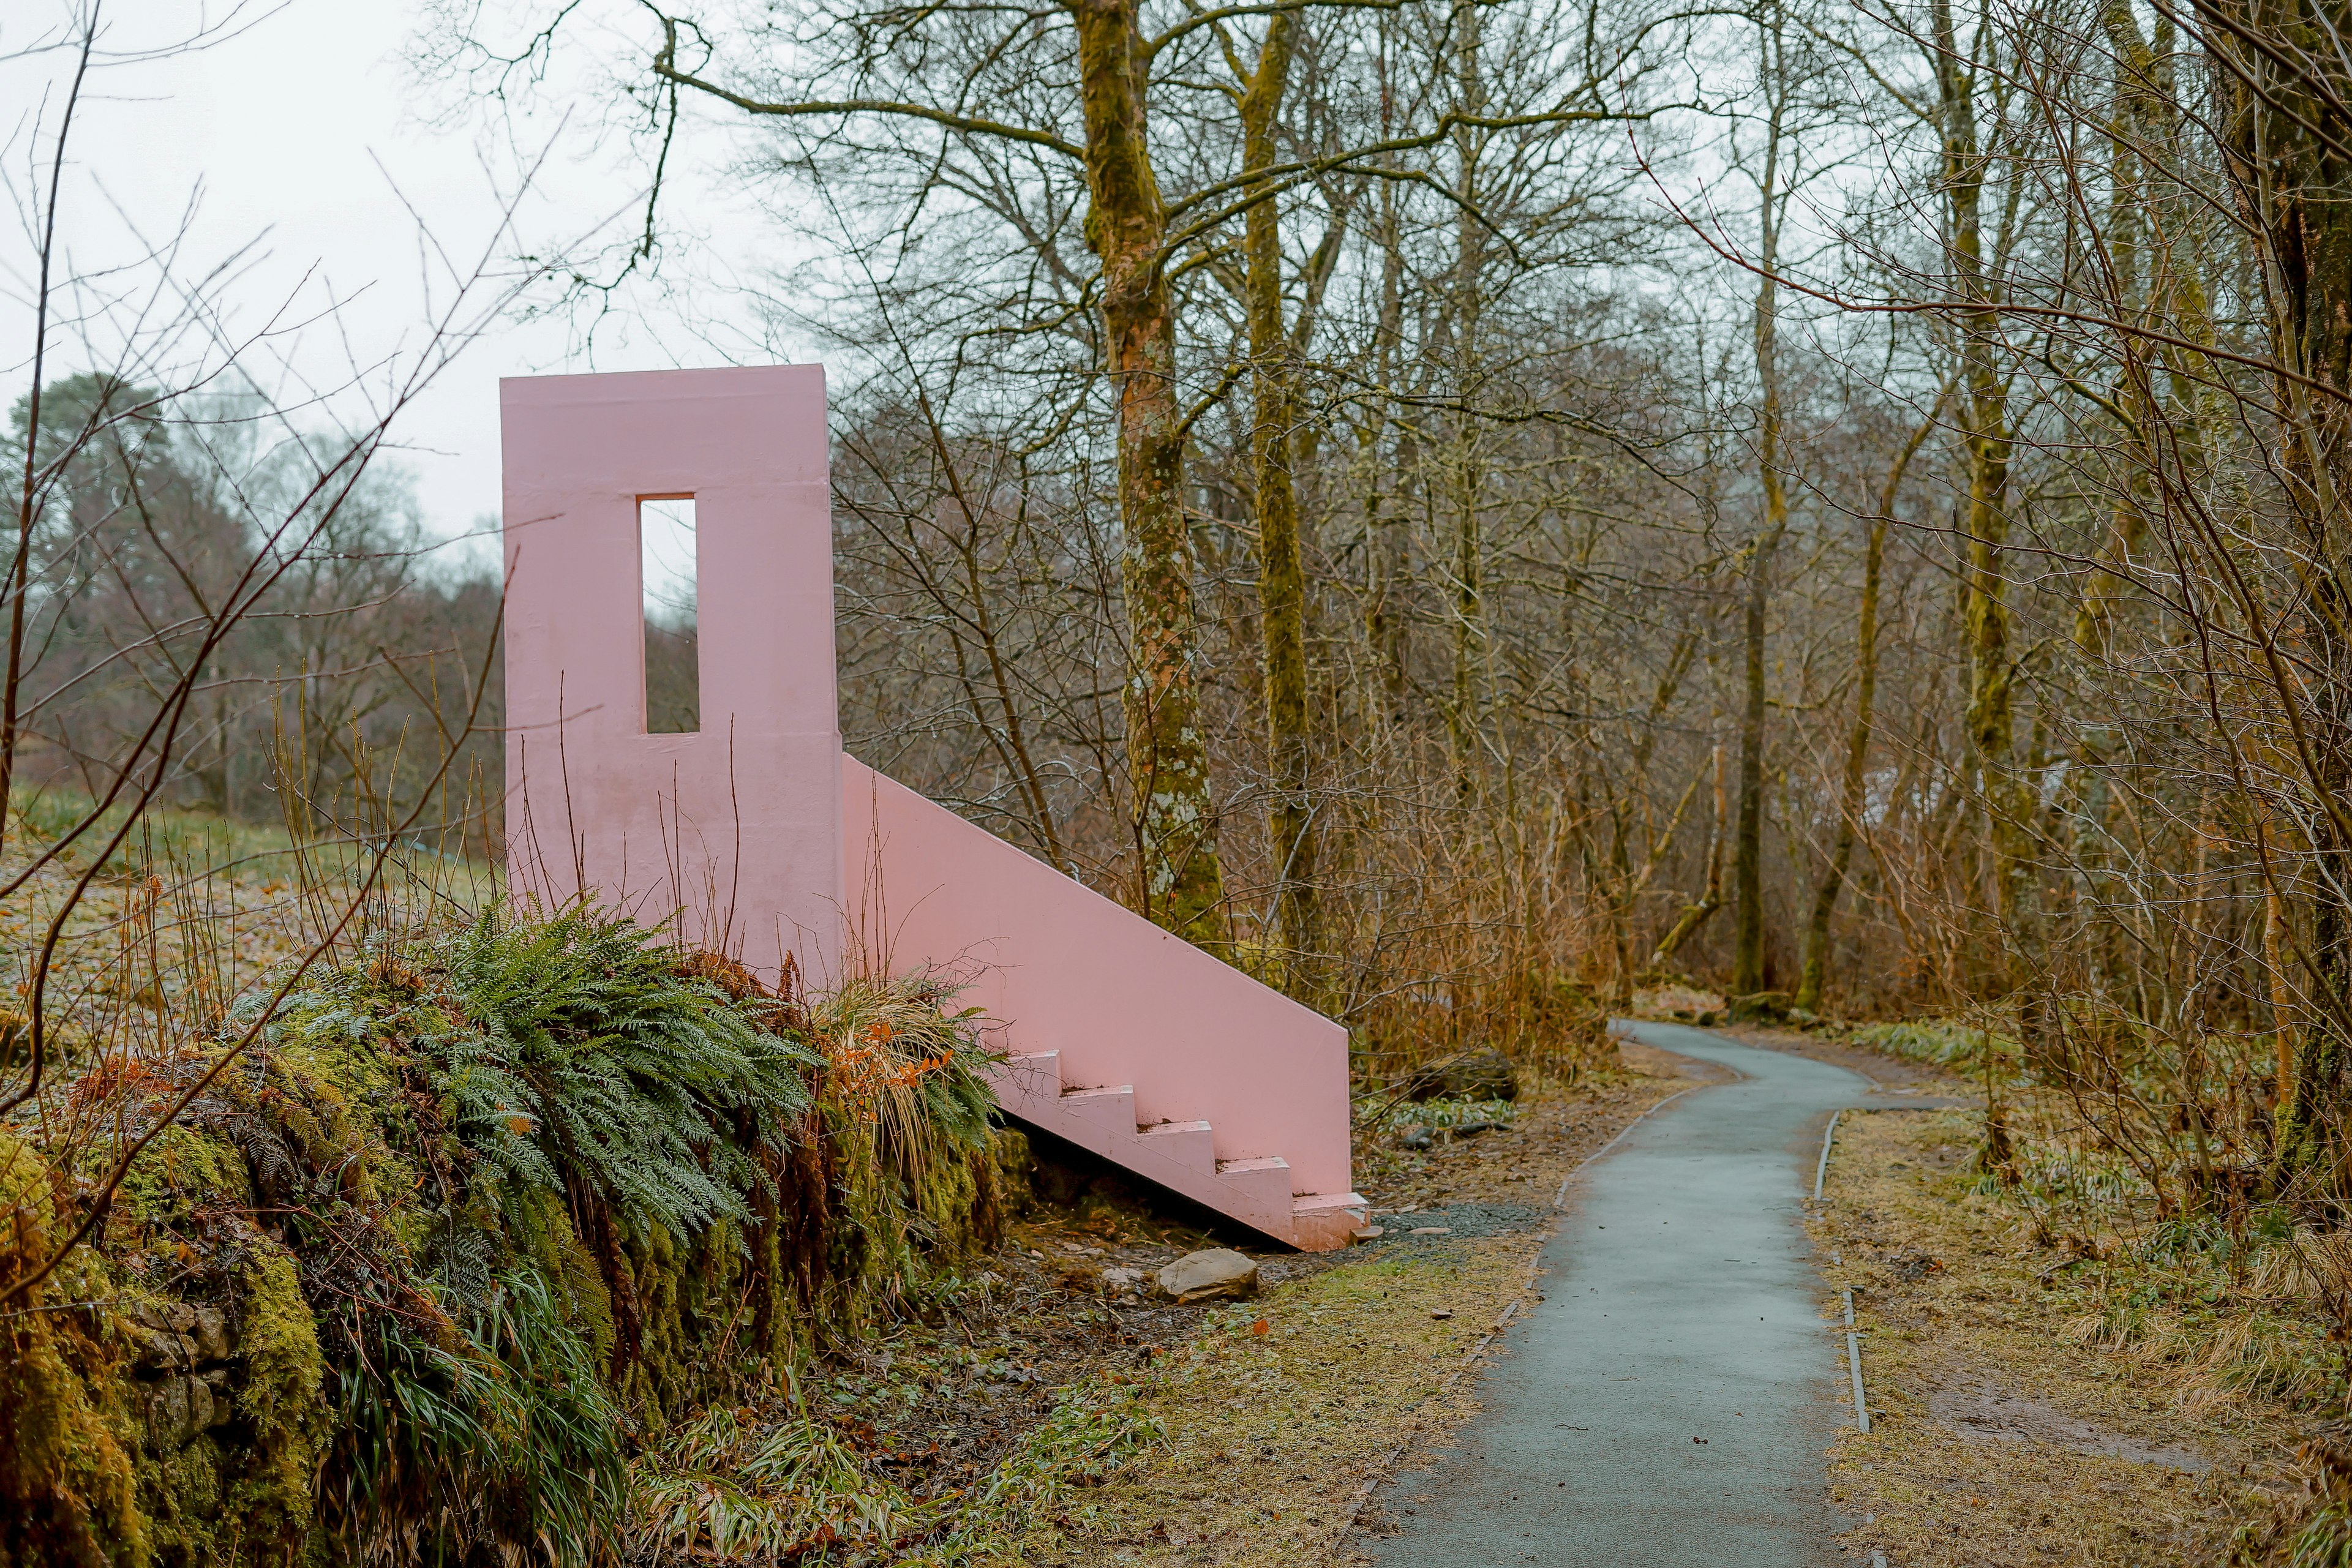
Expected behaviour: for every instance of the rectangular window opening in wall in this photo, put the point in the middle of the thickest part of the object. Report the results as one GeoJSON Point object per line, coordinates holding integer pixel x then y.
{"type": "Point", "coordinates": [665, 571]}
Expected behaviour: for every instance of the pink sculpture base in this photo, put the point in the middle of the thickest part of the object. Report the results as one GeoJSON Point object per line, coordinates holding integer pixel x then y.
{"type": "Point", "coordinates": [761, 836]}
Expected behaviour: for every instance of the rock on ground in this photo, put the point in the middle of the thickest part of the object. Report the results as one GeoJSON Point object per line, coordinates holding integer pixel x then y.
{"type": "Point", "coordinates": [1205, 1276]}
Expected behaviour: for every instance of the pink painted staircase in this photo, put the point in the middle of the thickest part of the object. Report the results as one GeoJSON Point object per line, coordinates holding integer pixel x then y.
{"type": "Point", "coordinates": [1180, 1155]}
{"type": "Point", "coordinates": [1128, 1041]}
{"type": "Point", "coordinates": [759, 833]}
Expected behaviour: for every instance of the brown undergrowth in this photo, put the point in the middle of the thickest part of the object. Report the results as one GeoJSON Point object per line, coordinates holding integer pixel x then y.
{"type": "Point", "coordinates": [1998, 1434]}
{"type": "Point", "coordinates": [516, 1228]}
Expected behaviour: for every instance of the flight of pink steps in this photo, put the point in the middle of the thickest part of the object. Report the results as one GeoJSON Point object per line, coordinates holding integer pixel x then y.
{"type": "Point", "coordinates": [759, 834]}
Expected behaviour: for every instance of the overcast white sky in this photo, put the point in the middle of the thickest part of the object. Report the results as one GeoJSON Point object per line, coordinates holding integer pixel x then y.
{"type": "Point", "coordinates": [301, 132]}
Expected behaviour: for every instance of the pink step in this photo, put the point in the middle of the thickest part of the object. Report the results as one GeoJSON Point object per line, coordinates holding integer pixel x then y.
{"type": "Point", "coordinates": [1190, 1146]}
{"type": "Point", "coordinates": [1324, 1222]}
{"type": "Point", "coordinates": [1110, 1112]}
{"type": "Point", "coordinates": [1022, 1081]}
{"type": "Point", "coordinates": [1262, 1185]}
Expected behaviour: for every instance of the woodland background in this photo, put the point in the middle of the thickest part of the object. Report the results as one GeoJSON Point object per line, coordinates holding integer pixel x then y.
{"type": "Point", "coordinates": [1467, 508]}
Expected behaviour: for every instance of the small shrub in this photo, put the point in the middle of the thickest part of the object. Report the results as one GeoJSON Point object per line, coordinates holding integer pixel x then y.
{"type": "Point", "coordinates": [67, 1439]}
{"type": "Point", "coordinates": [734, 1485]}
{"type": "Point", "coordinates": [1437, 1115]}
{"type": "Point", "coordinates": [728, 1488]}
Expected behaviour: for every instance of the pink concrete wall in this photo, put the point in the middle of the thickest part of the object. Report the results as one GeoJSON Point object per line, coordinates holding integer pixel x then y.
{"type": "Point", "coordinates": [746, 812]}
{"type": "Point", "coordinates": [1124, 1002]}
{"type": "Point", "coordinates": [760, 835]}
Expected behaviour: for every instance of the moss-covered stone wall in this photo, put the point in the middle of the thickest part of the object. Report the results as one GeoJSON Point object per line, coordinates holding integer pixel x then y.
{"type": "Point", "coordinates": [477, 1215]}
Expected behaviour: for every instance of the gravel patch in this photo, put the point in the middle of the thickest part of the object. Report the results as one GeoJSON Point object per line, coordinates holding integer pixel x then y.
{"type": "Point", "coordinates": [1455, 1221]}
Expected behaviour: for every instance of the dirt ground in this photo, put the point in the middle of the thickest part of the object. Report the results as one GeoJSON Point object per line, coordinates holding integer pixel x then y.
{"type": "Point", "coordinates": [1995, 1437]}
{"type": "Point", "coordinates": [1275, 1411]}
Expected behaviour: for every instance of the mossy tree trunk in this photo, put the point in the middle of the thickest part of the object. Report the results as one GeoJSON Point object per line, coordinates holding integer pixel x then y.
{"type": "Point", "coordinates": [1387, 624]}
{"type": "Point", "coordinates": [2294, 178]}
{"type": "Point", "coordinates": [1464, 316]}
{"type": "Point", "coordinates": [1626, 883]}
{"type": "Point", "coordinates": [1748, 851]}
{"type": "Point", "coordinates": [1182, 881]}
{"type": "Point", "coordinates": [1748, 835]}
{"type": "Point", "coordinates": [1710, 898]}
{"type": "Point", "coordinates": [1857, 744]}
{"type": "Point", "coordinates": [1986, 448]}
{"type": "Point", "coordinates": [1282, 573]}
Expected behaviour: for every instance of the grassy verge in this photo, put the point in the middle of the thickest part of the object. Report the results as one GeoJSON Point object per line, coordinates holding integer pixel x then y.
{"type": "Point", "coordinates": [2002, 1431]}
{"type": "Point", "coordinates": [1277, 1411]}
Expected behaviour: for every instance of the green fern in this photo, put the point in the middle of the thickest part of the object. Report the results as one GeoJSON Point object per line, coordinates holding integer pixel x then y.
{"type": "Point", "coordinates": [450, 1104]}
{"type": "Point", "coordinates": [573, 1046]}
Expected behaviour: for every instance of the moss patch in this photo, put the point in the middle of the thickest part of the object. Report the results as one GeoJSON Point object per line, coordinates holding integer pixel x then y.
{"type": "Point", "coordinates": [481, 1208]}
{"type": "Point", "coordinates": [283, 1401]}
{"type": "Point", "coordinates": [67, 1489]}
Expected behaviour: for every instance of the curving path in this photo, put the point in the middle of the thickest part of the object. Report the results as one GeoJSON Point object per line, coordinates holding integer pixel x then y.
{"type": "Point", "coordinates": [1681, 1303]}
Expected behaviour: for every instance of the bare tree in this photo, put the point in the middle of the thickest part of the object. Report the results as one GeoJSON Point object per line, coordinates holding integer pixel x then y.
{"type": "Point", "coordinates": [158, 521]}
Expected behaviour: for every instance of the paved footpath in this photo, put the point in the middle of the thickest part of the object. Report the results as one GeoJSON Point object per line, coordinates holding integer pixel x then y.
{"type": "Point", "coordinates": [1681, 1303]}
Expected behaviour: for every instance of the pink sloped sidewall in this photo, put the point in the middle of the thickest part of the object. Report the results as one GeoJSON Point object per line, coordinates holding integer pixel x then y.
{"type": "Point", "coordinates": [1066, 969]}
